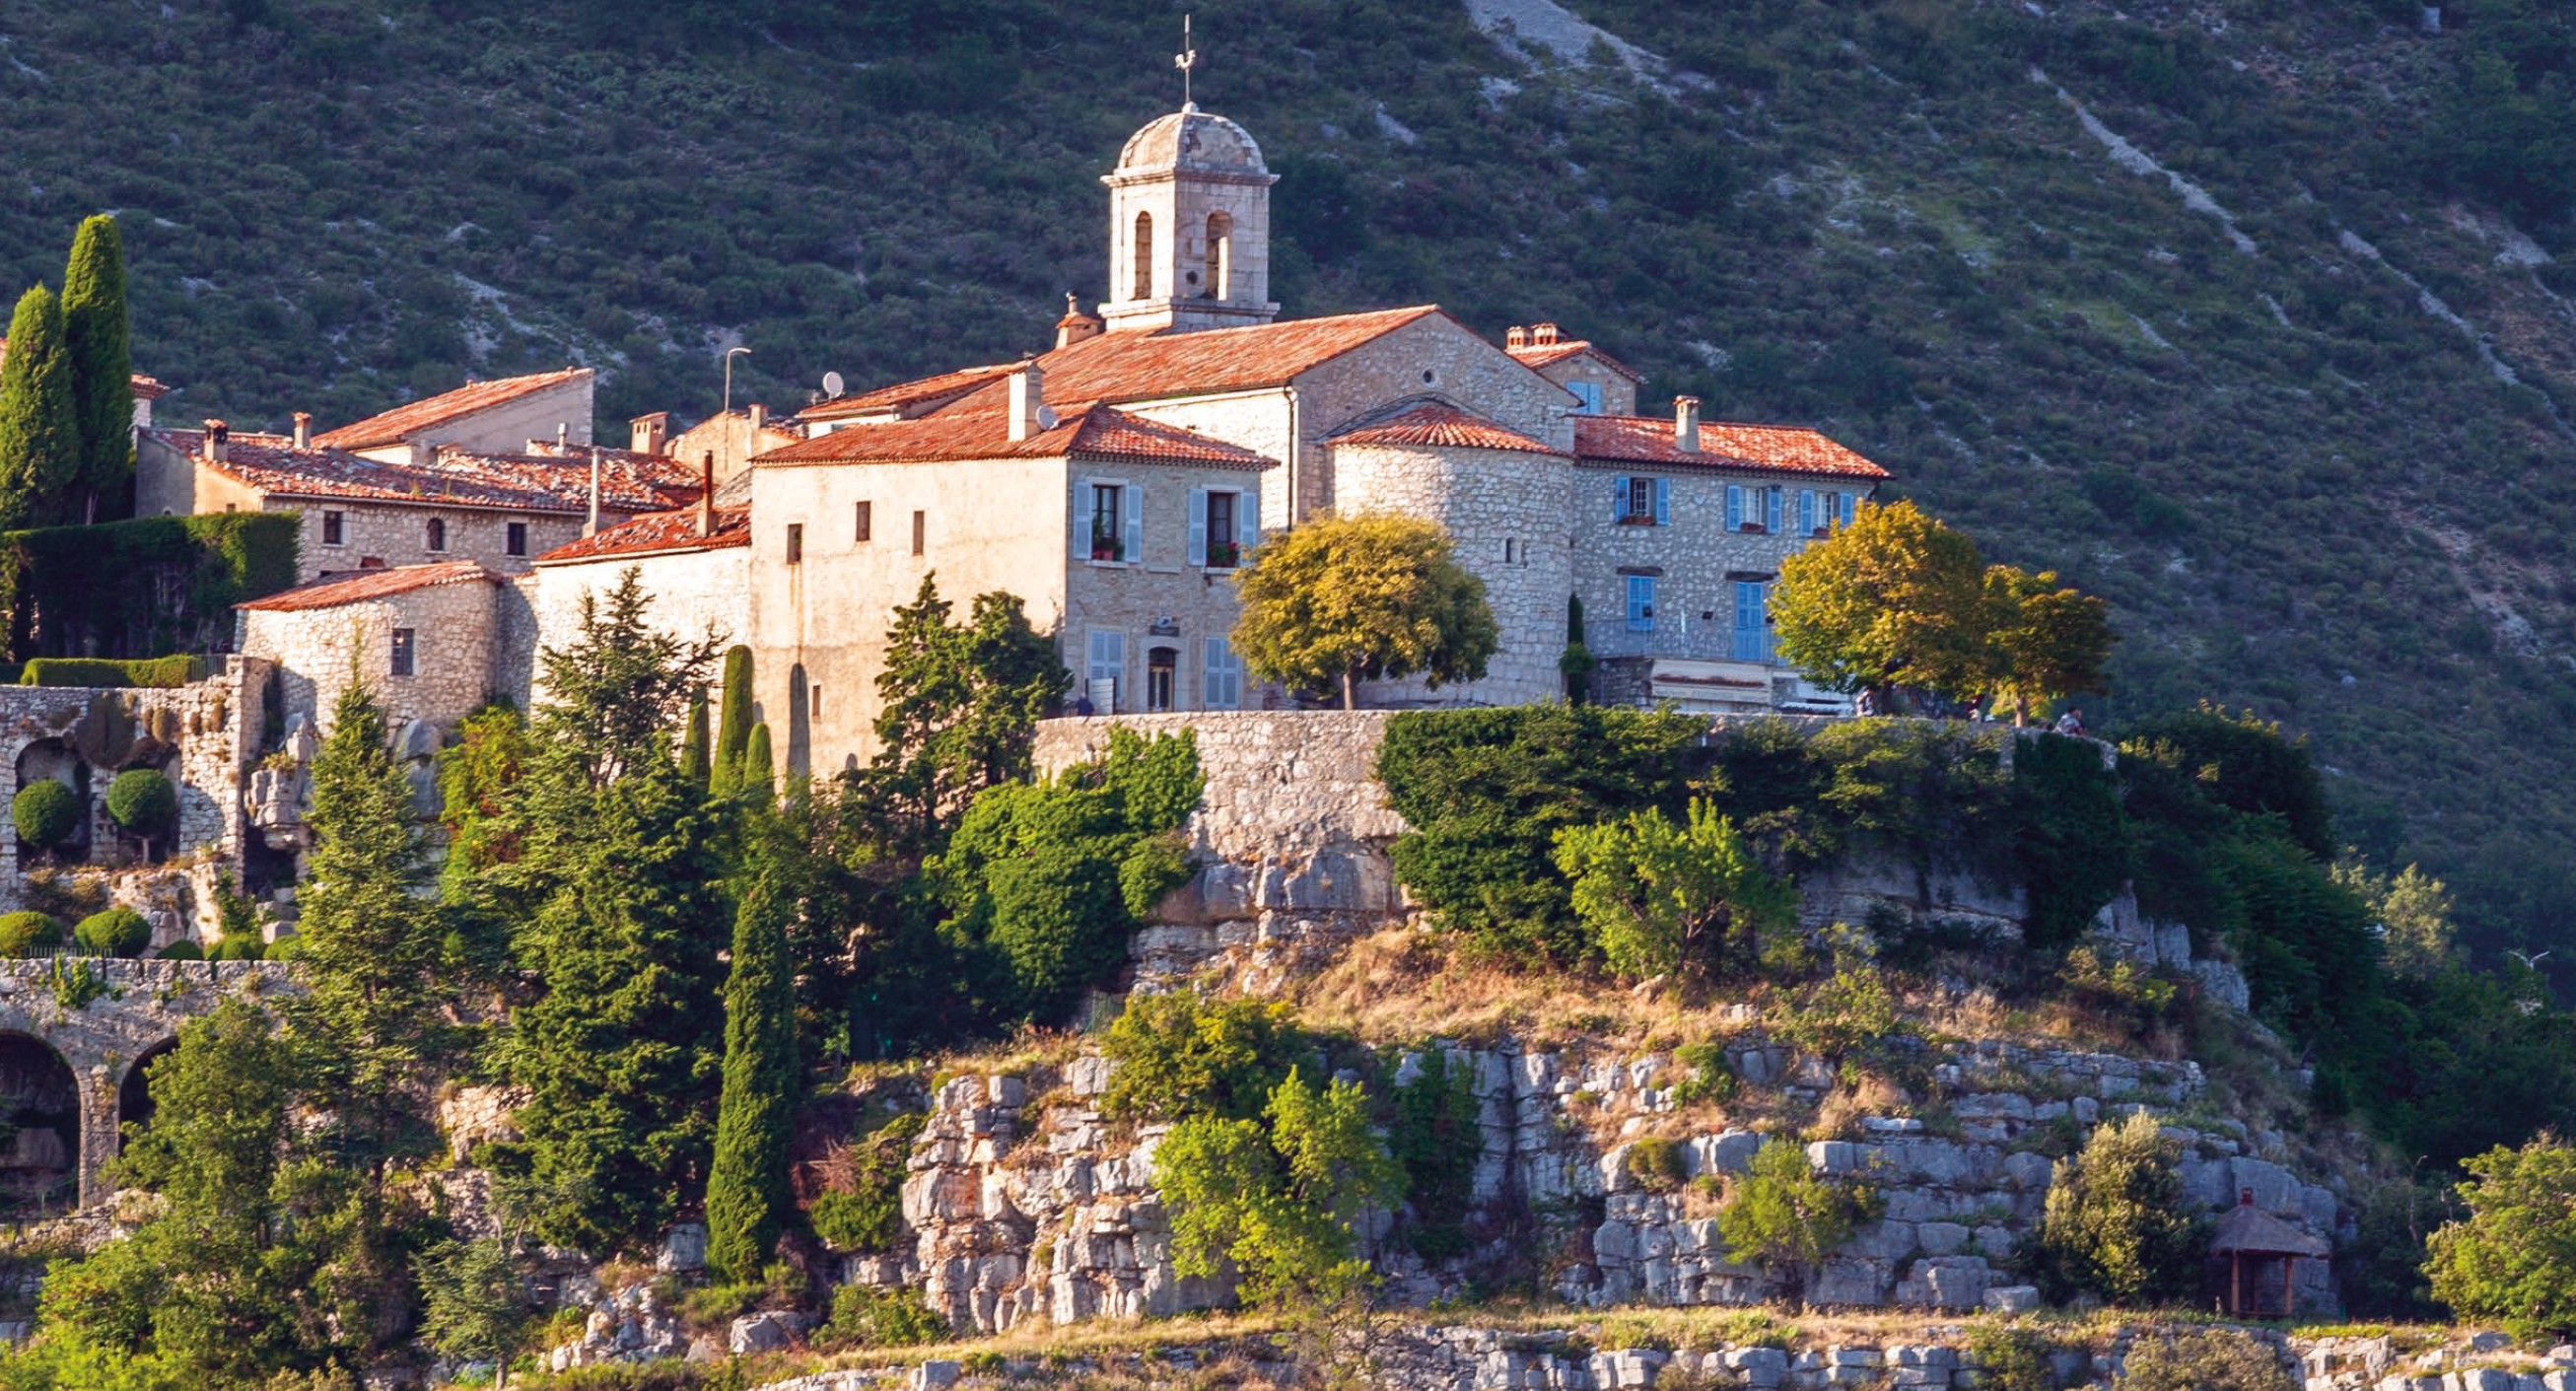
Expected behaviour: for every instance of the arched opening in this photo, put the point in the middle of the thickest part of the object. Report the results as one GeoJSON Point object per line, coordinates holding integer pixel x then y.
{"type": "Point", "coordinates": [1143, 249]}
{"type": "Point", "coordinates": [1220, 256]}
{"type": "Point", "coordinates": [40, 1114]}
{"type": "Point", "coordinates": [134, 1104]}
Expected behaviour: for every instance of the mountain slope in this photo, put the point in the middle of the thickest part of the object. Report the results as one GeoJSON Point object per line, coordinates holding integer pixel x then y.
{"type": "Point", "coordinates": [2220, 308]}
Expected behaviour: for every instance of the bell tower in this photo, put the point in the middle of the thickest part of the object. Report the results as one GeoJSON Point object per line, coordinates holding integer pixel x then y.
{"type": "Point", "coordinates": [1189, 227]}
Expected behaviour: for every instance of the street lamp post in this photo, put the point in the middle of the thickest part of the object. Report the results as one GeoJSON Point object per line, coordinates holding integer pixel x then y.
{"type": "Point", "coordinates": [730, 355]}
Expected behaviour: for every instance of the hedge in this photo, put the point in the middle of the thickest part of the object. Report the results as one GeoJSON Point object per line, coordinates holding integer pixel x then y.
{"type": "Point", "coordinates": [157, 672]}
{"type": "Point", "coordinates": [153, 584]}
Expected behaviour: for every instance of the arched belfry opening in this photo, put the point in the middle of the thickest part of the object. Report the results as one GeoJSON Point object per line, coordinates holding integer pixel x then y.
{"type": "Point", "coordinates": [1141, 276]}
{"type": "Point", "coordinates": [1198, 181]}
{"type": "Point", "coordinates": [1220, 255]}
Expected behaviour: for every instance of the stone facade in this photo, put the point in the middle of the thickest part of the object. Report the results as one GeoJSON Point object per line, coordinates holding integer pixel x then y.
{"type": "Point", "coordinates": [455, 633]}
{"type": "Point", "coordinates": [1189, 227]}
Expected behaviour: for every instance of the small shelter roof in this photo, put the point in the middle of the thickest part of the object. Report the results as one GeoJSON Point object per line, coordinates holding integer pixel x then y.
{"type": "Point", "coordinates": [2254, 1232]}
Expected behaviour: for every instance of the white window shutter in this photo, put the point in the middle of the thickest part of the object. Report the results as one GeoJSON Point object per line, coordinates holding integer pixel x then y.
{"type": "Point", "coordinates": [1247, 521]}
{"type": "Point", "coordinates": [1663, 502]}
{"type": "Point", "coordinates": [1134, 539]}
{"type": "Point", "coordinates": [1198, 526]}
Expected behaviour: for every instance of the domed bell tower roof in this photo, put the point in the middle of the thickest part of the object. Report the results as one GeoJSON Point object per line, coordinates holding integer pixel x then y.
{"type": "Point", "coordinates": [1191, 140]}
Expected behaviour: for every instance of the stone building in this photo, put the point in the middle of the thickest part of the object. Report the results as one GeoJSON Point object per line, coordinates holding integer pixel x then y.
{"type": "Point", "coordinates": [695, 562]}
{"type": "Point", "coordinates": [426, 639]}
{"type": "Point", "coordinates": [501, 414]}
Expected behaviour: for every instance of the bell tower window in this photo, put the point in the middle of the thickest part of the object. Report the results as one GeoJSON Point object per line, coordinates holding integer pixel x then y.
{"type": "Point", "coordinates": [1144, 257]}
{"type": "Point", "coordinates": [1220, 256]}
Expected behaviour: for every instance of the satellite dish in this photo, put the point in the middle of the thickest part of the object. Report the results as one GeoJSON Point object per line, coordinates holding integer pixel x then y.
{"type": "Point", "coordinates": [833, 385]}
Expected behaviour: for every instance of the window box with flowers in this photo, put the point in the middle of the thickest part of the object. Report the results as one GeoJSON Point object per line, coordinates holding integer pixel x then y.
{"type": "Point", "coordinates": [1224, 555]}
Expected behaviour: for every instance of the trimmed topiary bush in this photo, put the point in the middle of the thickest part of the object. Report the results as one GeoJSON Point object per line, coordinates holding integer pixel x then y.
{"type": "Point", "coordinates": [238, 947]}
{"type": "Point", "coordinates": [46, 813]}
{"type": "Point", "coordinates": [183, 950]}
{"type": "Point", "coordinates": [29, 933]}
{"type": "Point", "coordinates": [144, 803]}
{"type": "Point", "coordinates": [116, 932]}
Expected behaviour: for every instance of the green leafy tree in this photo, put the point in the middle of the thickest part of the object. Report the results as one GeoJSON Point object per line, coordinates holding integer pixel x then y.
{"type": "Point", "coordinates": [369, 1026]}
{"type": "Point", "coordinates": [2513, 1259]}
{"type": "Point", "coordinates": [2413, 914]}
{"type": "Point", "coordinates": [473, 1302]}
{"type": "Point", "coordinates": [40, 447]}
{"type": "Point", "coordinates": [1339, 600]}
{"type": "Point", "coordinates": [2116, 1221]}
{"type": "Point", "coordinates": [1787, 1216]}
{"type": "Point", "coordinates": [621, 686]}
{"type": "Point", "coordinates": [46, 813]}
{"type": "Point", "coordinates": [1280, 1201]}
{"type": "Point", "coordinates": [959, 706]}
{"type": "Point", "coordinates": [747, 1195]}
{"type": "Point", "coordinates": [1662, 898]}
{"type": "Point", "coordinates": [2049, 641]}
{"type": "Point", "coordinates": [1896, 599]}
{"type": "Point", "coordinates": [145, 804]}
{"type": "Point", "coordinates": [476, 776]}
{"type": "Point", "coordinates": [95, 330]}
{"type": "Point", "coordinates": [694, 749]}
{"type": "Point", "coordinates": [1180, 1054]}
{"type": "Point", "coordinates": [733, 724]}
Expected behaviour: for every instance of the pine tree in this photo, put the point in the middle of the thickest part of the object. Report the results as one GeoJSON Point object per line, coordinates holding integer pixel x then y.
{"type": "Point", "coordinates": [693, 751]}
{"type": "Point", "coordinates": [96, 331]}
{"type": "Point", "coordinates": [759, 770]}
{"type": "Point", "coordinates": [733, 727]}
{"type": "Point", "coordinates": [369, 1021]}
{"type": "Point", "coordinates": [39, 431]}
{"type": "Point", "coordinates": [747, 1189]}
{"type": "Point", "coordinates": [620, 687]}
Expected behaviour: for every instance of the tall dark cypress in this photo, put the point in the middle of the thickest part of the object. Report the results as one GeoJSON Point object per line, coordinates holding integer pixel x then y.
{"type": "Point", "coordinates": [95, 329]}
{"type": "Point", "coordinates": [733, 724]}
{"type": "Point", "coordinates": [747, 1193]}
{"type": "Point", "coordinates": [693, 746]}
{"type": "Point", "coordinates": [39, 436]}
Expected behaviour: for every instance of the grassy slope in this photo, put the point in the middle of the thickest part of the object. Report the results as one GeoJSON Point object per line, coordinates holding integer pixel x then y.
{"type": "Point", "coordinates": [2302, 490]}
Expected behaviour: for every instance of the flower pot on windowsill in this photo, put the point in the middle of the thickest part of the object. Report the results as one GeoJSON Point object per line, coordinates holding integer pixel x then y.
{"type": "Point", "coordinates": [1223, 557]}
{"type": "Point", "coordinates": [1754, 529]}
{"type": "Point", "coordinates": [1100, 552]}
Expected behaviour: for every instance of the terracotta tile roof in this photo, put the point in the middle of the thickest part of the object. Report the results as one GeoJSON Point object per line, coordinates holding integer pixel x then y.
{"type": "Point", "coordinates": [902, 396]}
{"type": "Point", "coordinates": [402, 422]}
{"type": "Point", "coordinates": [1088, 431]}
{"type": "Point", "coordinates": [1646, 439]}
{"type": "Point", "coordinates": [629, 483]}
{"type": "Point", "coordinates": [1440, 424]}
{"type": "Point", "coordinates": [359, 586]}
{"type": "Point", "coordinates": [657, 533]}
{"type": "Point", "coordinates": [1546, 354]}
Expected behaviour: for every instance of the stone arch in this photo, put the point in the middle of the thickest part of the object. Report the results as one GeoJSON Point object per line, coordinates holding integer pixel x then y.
{"type": "Point", "coordinates": [134, 1104]}
{"type": "Point", "coordinates": [40, 1102]}
{"type": "Point", "coordinates": [1142, 255]}
{"type": "Point", "coordinates": [1220, 255]}
{"type": "Point", "coordinates": [56, 759]}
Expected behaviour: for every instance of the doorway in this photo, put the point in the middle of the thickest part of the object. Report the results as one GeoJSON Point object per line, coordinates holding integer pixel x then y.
{"type": "Point", "coordinates": [1161, 664]}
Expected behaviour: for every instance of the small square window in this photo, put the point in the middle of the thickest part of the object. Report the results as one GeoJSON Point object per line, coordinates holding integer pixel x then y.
{"type": "Point", "coordinates": [814, 702]}
{"type": "Point", "coordinates": [402, 657]}
{"type": "Point", "coordinates": [795, 543]}
{"type": "Point", "coordinates": [920, 530]}
{"type": "Point", "coordinates": [335, 528]}
{"type": "Point", "coordinates": [867, 521]}
{"type": "Point", "coordinates": [515, 539]}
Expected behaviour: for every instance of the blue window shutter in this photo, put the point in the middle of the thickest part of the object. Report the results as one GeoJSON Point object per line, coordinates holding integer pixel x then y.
{"type": "Point", "coordinates": [1771, 518]}
{"type": "Point", "coordinates": [1082, 519]}
{"type": "Point", "coordinates": [1199, 526]}
{"type": "Point", "coordinates": [1247, 520]}
{"type": "Point", "coordinates": [1663, 502]}
{"type": "Point", "coordinates": [1734, 507]}
{"type": "Point", "coordinates": [1851, 507]}
{"type": "Point", "coordinates": [1618, 498]}
{"type": "Point", "coordinates": [1806, 510]}
{"type": "Point", "coordinates": [1134, 547]}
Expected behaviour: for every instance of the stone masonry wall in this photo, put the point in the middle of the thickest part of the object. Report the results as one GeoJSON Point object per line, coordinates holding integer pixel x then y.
{"type": "Point", "coordinates": [695, 594]}
{"type": "Point", "coordinates": [454, 631]}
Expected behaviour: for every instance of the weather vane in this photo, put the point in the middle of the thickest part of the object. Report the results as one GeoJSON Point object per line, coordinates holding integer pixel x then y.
{"type": "Point", "coordinates": [1185, 60]}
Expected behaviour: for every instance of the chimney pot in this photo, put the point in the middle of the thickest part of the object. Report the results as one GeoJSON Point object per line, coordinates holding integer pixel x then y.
{"type": "Point", "coordinates": [1542, 335]}
{"type": "Point", "coordinates": [1075, 326]}
{"type": "Point", "coordinates": [1028, 402]}
{"type": "Point", "coordinates": [645, 432]}
{"type": "Point", "coordinates": [304, 429]}
{"type": "Point", "coordinates": [759, 419]}
{"type": "Point", "coordinates": [1515, 337]}
{"type": "Point", "coordinates": [707, 493]}
{"type": "Point", "coordinates": [217, 433]}
{"type": "Point", "coordinates": [563, 435]}
{"type": "Point", "coordinates": [1686, 424]}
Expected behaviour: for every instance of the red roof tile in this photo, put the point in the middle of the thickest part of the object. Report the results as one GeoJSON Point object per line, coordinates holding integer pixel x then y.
{"type": "Point", "coordinates": [1440, 424]}
{"type": "Point", "coordinates": [359, 586]}
{"type": "Point", "coordinates": [658, 533]}
{"type": "Point", "coordinates": [1644, 439]}
{"type": "Point", "coordinates": [1090, 431]}
{"type": "Point", "coordinates": [402, 422]}
{"type": "Point", "coordinates": [1545, 354]}
{"type": "Point", "coordinates": [947, 386]}
{"type": "Point", "coordinates": [543, 482]}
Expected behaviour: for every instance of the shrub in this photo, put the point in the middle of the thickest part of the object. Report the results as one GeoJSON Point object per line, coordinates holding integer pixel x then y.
{"type": "Point", "coordinates": [1279, 1199]}
{"type": "Point", "coordinates": [862, 1208]}
{"type": "Point", "coordinates": [153, 584]}
{"type": "Point", "coordinates": [868, 1317]}
{"type": "Point", "coordinates": [29, 933]}
{"type": "Point", "coordinates": [243, 947]}
{"type": "Point", "coordinates": [143, 802]}
{"type": "Point", "coordinates": [2010, 1357]}
{"type": "Point", "coordinates": [2116, 1222]}
{"type": "Point", "coordinates": [182, 950]}
{"type": "Point", "coordinates": [162, 673]}
{"type": "Point", "coordinates": [2121, 986]}
{"type": "Point", "coordinates": [1710, 1077]}
{"type": "Point", "coordinates": [1847, 1016]}
{"type": "Point", "coordinates": [2072, 840]}
{"type": "Point", "coordinates": [2213, 1359]}
{"type": "Point", "coordinates": [1434, 1134]}
{"type": "Point", "coordinates": [2514, 1259]}
{"type": "Point", "coordinates": [1658, 1164]}
{"type": "Point", "coordinates": [46, 812]}
{"type": "Point", "coordinates": [1660, 898]}
{"type": "Point", "coordinates": [1180, 1054]}
{"type": "Point", "coordinates": [1786, 1215]}
{"type": "Point", "coordinates": [115, 932]}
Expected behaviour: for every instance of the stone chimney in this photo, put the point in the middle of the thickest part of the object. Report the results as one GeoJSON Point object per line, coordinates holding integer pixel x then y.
{"type": "Point", "coordinates": [591, 527]}
{"type": "Point", "coordinates": [646, 432]}
{"type": "Point", "coordinates": [1075, 326]}
{"type": "Point", "coordinates": [1515, 338]}
{"type": "Point", "coordinates": [304, 429]}
{"type": "Point", "coordinates": [1029, 414]}
{"type": "Point", "coordinates": [1542, 335]}
{"type": "Point", "coordinates": [217, 433]}
{"type": "Point", "coordinates": [1686, 424]}
{"type": "Point", "coordinates": [707, 493]}
{"type": "Point", "coordinates": [759, 420]}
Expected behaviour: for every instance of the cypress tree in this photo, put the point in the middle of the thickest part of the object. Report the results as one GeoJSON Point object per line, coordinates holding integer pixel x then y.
{"type": "Point", "coordinates": [95, 330]}
{"type": "Point", "coordinates": [747, 1187]}
{"type": "Point", "coordinates": [759, 772]}
{"type": "Point", "coordinates": [39, 433]}
{"type": "Point", "coordinates": [733, 726]}
{"type": "Point", "coordinates": [693, 752]}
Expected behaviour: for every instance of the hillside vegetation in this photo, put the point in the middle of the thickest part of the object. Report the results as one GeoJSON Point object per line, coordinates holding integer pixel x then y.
{"type": "Point", "coordinates": [2295, 397]}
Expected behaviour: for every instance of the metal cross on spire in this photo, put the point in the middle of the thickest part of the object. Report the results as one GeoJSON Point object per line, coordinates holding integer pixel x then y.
{"type": "Point", "coordinates": [1186, 60]}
